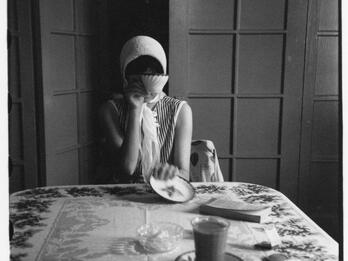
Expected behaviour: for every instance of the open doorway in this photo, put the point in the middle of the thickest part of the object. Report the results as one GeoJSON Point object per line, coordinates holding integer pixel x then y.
{"type": "Point", "coordinates": [126, 19]}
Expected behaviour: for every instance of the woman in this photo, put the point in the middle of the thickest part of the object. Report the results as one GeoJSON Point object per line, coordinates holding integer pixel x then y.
{"type": "Point", "coordinates": [146, 133]}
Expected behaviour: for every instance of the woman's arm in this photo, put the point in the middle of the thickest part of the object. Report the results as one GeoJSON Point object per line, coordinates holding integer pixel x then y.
{"type": "Point", "coordinates": [125, 148]}
{"type": "Point", "coordinates": [182, 148]}
{"type": "Point", "coordinates": [182, 141]}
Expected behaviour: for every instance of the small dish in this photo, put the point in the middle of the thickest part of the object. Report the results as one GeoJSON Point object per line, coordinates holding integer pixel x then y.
{"type": "Point", "coordinates": [154, 83]}
{"type": "Point", "coordinates": [176, 189]}
{"type": "Point", "coordinates": [160, 237]}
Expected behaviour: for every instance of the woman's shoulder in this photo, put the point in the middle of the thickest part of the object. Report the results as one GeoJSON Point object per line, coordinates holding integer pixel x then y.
{"type": "Point", "coordinates": [177, 108]}
{"type": "Point", "coordinates": [172, 101]}
{"type": "Point", "coordinates": [115, 103]}
{"type": "Point", "coordinates": [117, 99]}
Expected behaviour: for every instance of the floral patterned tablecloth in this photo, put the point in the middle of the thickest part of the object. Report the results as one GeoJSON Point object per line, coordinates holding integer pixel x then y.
{"type": "Point", "coordinates": [99, 223]}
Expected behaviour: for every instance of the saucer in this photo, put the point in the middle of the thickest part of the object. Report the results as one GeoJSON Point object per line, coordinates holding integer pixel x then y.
{"type": "Point", "coordinates": [191, 256]}
{"type": "Point", "coordinates": [175, 190]}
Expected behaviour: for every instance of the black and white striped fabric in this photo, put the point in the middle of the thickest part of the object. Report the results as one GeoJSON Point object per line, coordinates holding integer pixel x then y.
{"type": "Point", "coordinates": [166, 110]}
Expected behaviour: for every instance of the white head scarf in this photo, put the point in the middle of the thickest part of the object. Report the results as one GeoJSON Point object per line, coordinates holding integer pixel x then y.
{"type": "Point", "coordinates": [149, 147]}
{"type": "Point", "coordinates": [138, 46]}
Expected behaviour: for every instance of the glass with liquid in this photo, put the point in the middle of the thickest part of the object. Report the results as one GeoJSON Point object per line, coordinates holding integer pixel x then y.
{"type": "Point", "coordinates": [210, 235]}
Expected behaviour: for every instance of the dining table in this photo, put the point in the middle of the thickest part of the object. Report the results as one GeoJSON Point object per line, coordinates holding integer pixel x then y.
{"type": "Point", "coordinates": [99, 222]}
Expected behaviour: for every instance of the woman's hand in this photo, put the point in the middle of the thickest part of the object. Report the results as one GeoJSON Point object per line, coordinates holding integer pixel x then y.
{"type": "Point", "coordinates": [135, 94]}
{"type": "Point", "coordinates": [165, 171]}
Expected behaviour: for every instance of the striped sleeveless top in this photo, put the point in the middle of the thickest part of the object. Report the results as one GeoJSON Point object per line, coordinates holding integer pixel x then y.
{"type": "Point", "coordinates": [166, 110]}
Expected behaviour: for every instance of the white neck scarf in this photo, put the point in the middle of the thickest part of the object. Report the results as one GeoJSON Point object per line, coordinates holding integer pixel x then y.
{"type": "Point", "coordinates": [149, 147]}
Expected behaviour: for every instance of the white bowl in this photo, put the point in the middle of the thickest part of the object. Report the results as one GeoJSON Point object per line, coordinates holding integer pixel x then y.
{"type": "Point", "coordinates": [176, 189]}
{"type": "Point", "coordinates": [160, 237]}
{"type": "Point", "coordinates": [154, 83]}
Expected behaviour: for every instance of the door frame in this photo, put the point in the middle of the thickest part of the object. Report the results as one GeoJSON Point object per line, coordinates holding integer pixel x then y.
{"type": "Point", "coordinates": [39, 94]}
{"type": "Point", "coordinates": [28, 78]}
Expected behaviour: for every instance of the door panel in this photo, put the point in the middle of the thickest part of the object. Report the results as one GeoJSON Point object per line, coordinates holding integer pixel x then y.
{"type": "Point", "coordinates": [202, 14]}
{"type": "Point", "coordinates": [321, 145]}
{"type": "Point", "coordinates": [325, 128]}
{"type": "Point", "coordinates": [14, 70]}
{"type": "Point", "coordinates": [327, 66]}
{"type": "Point", "coordinates": [210, 72]}
{"type": "Point", "coordinates": [266, 169]}
{"type": "Point", "coordinates": [260, 64]}
{"type": "Point", "coordinates": [69, 71]}
{"type": "Point", "coordinates": [210, 127]}
{"type": "Point", "coordinates": [262, 14]}
{"type": "Point", "coordinates": [63, 168]}
{"type": "Point", "coordinates": [64, 128]}
{"type": "Point", "coordinates": [328, 15]}
{"type": "Point", "coordinates": [61, 69]}
{"type": "Point", "coordinates": [326, 203]}
{"type": "Point", "coordinates": [240, 65]}
{"type": "Point", "coordinates": [16, 132]}
{"type": "Point", "coordinates": [61, 14]}
{"type": "Point", "coordinates": [257, 127]}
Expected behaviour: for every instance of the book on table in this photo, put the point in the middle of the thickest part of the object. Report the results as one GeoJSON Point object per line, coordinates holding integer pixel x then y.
{"type": "Point", "coordinates": [237, 210]}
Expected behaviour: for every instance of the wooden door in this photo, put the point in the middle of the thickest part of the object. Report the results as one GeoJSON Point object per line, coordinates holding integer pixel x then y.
{"type": "Point", "coordinates": [21, 88]}
{"type": "Point", "coordinates": [240, 65]}
{"type": "Point", "coordinates": [320, 169]}
{"type": "Point", "coordinates": [69, 31]}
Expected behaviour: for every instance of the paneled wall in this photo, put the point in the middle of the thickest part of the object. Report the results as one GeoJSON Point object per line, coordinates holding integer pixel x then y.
{"type": "Point", "coordinates": [320, 176]}
{"type": "Point", "coordinates": [241, 73]}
